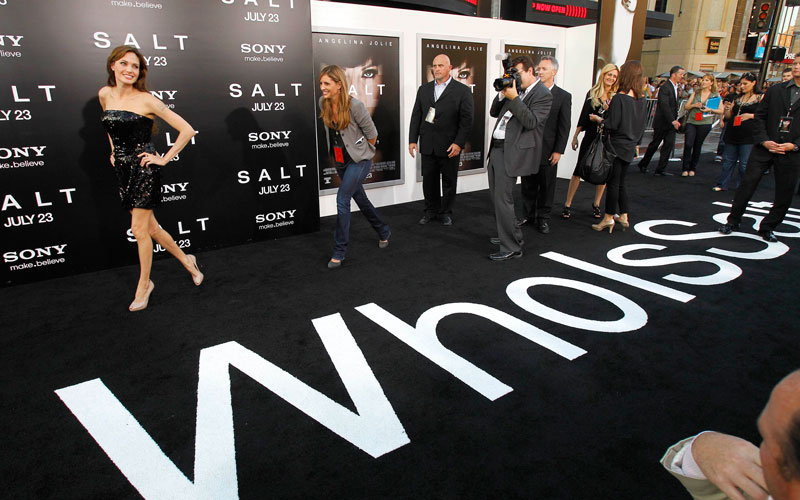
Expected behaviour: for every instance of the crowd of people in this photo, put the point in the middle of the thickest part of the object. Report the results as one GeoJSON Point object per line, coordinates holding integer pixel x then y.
{"type": "Point", "coordinates": [529, 137]}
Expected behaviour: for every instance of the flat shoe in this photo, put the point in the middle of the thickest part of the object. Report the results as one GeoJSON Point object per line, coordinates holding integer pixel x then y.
{"type": "Point", "coordinates": [498, 256]}
{"type": "Point", "coordinates": [334, 265]}
{"type": "Point", "coordinates": [142, 304]}
{"type": "Point", "coordinates": [197, 278]}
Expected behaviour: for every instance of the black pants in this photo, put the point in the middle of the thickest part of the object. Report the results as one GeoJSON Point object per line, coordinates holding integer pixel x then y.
{"type": "Point", "coordinates": [660, 134]}
{"type": "Point", "coordinates": [538, 191]}
{"type": "Point", "coordinates": [436, 201]}
{"type": "Point", "coordinates": [785, 168]}
{"type": "Point", "coordinates": [695, 135]}
{"type": "Point", "coordinates": [616, 191]}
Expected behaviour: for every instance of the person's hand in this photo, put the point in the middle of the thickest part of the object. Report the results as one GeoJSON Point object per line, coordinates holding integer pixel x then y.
{"type": "Point", "coordinates": [453, 150]}
{"type": "Point", "coordinates": [411, 148]}
{"type": "Point", "coordinates": [747, 116]}
{"type": "Point", "coordinates": [575, 143]}
{"type": "Point", "coordinates": [511, 92]}
{"type": "Point", "coordinates": [151, 159]}
{"type": "Point", "coordinates": [728, 105]}
{"type": "Point", "coordinates": [595, 118]}
{"type": "Point", "coordinates": [554, 158]}
{"type": "Point", "coordinates": [773, 147]}
{"type": "Point", "coordinates": [676, 124]}
{"type": "Point", "coordinates": [732, 464]}
{"type": "Point", "coordinates": [112, 159]}
{"type": "Point", "coordinates": [787, 147]}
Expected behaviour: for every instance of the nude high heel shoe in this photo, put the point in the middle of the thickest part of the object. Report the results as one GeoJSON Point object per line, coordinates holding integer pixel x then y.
{"type": "Point", "coordinates": [622, 222]}
{"type": "Point", "coordinates": [603, 225]}
{"type": "Point", "coordinates": [142, 304]}
{"type": "Point", "coordinates": [197, 278]}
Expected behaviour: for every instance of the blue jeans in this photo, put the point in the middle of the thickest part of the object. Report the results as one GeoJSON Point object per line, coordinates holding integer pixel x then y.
{"type": "Point", "coordinates": [352, 175]}
{"type": "Point", "coordinates": [732, 153]}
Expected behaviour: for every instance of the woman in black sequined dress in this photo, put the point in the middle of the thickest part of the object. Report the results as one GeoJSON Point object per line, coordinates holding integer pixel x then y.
{"type": "Point", "coordinates": [128, 116]}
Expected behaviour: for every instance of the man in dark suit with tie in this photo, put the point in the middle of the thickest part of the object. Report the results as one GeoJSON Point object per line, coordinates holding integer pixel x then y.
{"type": "Point", "coordinates": [665, 123]}
{"type": "Point", "coordinates": [539, 189]}
{"type": "Point", "coordinates": [440, 122]}
{"type": "Point", "coordinates": [776, 130]}
{"type": "Point", "coordinates": [515, 150]}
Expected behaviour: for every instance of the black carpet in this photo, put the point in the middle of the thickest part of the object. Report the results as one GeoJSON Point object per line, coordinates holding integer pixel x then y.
{"type": "Point", "coordinates": [592, 427]}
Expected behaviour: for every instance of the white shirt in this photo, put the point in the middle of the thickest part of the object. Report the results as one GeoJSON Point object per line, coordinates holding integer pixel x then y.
{"type": "Point", "coordinates": [438, 88]}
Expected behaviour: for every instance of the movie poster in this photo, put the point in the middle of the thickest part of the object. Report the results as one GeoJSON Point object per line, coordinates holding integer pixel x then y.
{"type": "Point", "coordinates": [469, 67]}
{"type": "Point", "coordinates": [534, 52]}
{"type": "Point", "coordinates": [372, 66]}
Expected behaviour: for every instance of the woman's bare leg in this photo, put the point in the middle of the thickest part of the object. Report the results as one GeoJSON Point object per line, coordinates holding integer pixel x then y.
{"type": "Point", "coordinates": [164, 239]}
{"type": "Point", "coordinates": [598, 194]}
{"type": "Point", "coordinates": [140, 221]}
{"type": "Point", "coordinates": [574, 182]}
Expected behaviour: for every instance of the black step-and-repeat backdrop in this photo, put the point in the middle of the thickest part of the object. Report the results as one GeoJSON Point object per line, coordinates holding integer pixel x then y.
{"type": "Point", "coordinates": [372, 66]}
{"type": "Point", "coordinates": [239, 72]}
{"type": "Point", "coordinates": [469, 67]}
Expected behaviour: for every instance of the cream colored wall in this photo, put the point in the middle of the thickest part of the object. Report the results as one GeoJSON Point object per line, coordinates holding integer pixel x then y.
{"type": "Point", "coordinates": [691, 30]}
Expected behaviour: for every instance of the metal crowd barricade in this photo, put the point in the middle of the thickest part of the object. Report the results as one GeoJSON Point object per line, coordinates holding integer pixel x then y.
{"type": "Point", "coordinates": [651, 113]}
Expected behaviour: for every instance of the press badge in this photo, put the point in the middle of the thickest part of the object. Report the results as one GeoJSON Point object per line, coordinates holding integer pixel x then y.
{"type": "Point", "coordinates": [785, 124]}
{"type": "Point", "coordinates": [737, 121]}
{"type": "Point", "coordinates": [337, 153]}
{"type": "Point", "coordinates": [431, 114]}
{"type": "Point", "coordinates": [698, 116]}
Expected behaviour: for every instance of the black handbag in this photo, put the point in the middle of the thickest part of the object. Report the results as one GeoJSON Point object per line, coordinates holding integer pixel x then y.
{"type": "Point", "coordinates": [596, 164]}
{"type": "Point", "coordinates": [682, 121]}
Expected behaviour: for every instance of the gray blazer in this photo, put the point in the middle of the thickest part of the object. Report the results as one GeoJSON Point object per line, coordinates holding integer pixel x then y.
{"type": "Point", "coordinates": [355, 136]}
{"type": "Point", "coordinates": [523, 145]}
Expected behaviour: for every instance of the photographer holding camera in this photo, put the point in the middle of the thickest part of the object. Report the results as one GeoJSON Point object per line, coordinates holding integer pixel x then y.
{"type": "Point", "coordinates": [521, 109]}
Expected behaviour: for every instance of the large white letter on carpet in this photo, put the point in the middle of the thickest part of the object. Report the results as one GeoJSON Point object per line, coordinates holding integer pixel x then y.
{"type": "Point", "coordinates": [375, 428]}
{"type": "Point", "coordinates": [424, 340]}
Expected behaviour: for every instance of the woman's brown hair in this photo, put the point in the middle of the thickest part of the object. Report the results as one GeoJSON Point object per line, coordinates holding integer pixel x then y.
{"type": "Point", "coordinates": [630, 79]}
{"type": "Point", "coordinates": [117, 54]}
{"type": "Point", "coordinates": [341, 119]}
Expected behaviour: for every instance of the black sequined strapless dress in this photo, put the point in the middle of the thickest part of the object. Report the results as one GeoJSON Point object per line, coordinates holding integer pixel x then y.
{"type": "Point", "coordinates": [139, 187]}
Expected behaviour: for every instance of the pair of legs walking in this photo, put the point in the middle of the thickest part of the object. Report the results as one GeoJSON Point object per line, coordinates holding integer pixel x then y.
{"type": "Point", "coordinates": [351, 188]}
{"type": "Point", "coordinates": [785, 168]}
{"type": "Point", "coordinates": [667, 135]}
{"type": "Point", "coordinates": [616, 198]}
{"type": "Point", "coordinates": [145, 229]}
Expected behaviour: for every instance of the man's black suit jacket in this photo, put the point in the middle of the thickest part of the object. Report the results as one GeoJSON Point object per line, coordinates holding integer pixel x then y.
{"type": "Point", "coordinates": [556, 130]}
{"type": "Point", "coordinates": [667, 107]}
{"type": "Point", "coordinates": [452, 123]}
{"type": "Point", "coordinates": [776, 104]}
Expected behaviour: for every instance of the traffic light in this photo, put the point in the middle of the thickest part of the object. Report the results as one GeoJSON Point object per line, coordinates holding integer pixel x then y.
{"type": "Point", "coordinates": [762, 14]}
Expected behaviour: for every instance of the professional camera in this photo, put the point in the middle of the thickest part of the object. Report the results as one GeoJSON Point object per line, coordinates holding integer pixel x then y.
{"type": "Point", "coordinates": [510, 75]}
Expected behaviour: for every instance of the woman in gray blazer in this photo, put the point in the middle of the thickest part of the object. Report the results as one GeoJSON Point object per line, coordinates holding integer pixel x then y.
{"type": "Point", "coordinates": [351, 138]}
